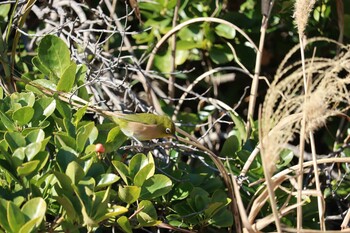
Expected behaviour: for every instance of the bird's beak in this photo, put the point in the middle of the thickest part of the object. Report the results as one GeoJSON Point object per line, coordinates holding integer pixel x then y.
{"type": "Point", "coordinates": [174, 136]}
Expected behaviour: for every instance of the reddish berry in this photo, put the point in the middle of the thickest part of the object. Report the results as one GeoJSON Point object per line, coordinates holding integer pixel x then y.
{"type": "Point", "coordinates": [99, 148]}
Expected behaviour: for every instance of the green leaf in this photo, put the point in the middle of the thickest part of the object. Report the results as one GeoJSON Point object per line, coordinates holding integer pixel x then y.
{"type": "Point", "coordinates": [124, 224]}
{"type": "Point", "coordinates": [35, 209]}
{"type": "Point", "coordinates": [4, 10]}
{"type": "Point", "coordinates": [122, 170]}
{"type": "Point", "coordinates": [115, 139]}
{"type": "Point", "coordinates": [45, 83]}
{"type": "Point", "coordinates": [186, 45]}
{"type": "Point", "coordinates": [223, 219]}
{"type": "Point", "coordinates": [162, 61]}
{"type": "Point", "coordinates": [286, 156]}
{"type": "Point", "coordinates": [54, 55]}
{"type": "Point", "coordinates": [23, 115]}
{"type": "Point", "coordinates": [18, 156]}
{"type": "Point", "coordinates": [79, 115]}
{"type": "Point", "coordinates": [106, 180]}
{"type": "Point", "coordinates": [83, 134]}
{"type": "Point", "coordinates": [143, 174]}
{"type": "Point", "coordinates": [231, 145]}
{"type": "Point", "coordinates": [68, 207]}
{"type": "Point", "coordinates": [15, 217]}
{"type": "Point", "coordinates": [27, 168]}
{"type": "Point", "coordinates": [239, 124]}
{"type": "Point", "coordinates": [148, 215]}
{"type": "Point", "coordinates": [4, 223]}
{"type": "Point", "coordinates": [181, 56]}
{"type": "Point", "coordinates": [75, 172]}
{"type": "Point", "coordinates": [32, 149]}
{"type": "Point", "coordinates": [37, 135]}
{"type": "Point", "coordinates": [129, 194]}
{"type": "Point", "coordinates": [9, 124]}
{"type": "Point", "coordinates": [220, 54]}
{"type": "Point", "coordinates": [22, 99]}
{"type": "Point", "coordinates": [65, 156]}
{"type": "Point", "coordinates": [43, 108]}
{"type": "Point", "coordinates": [137, 162]}
{"type": "Point", "coordinates": [67, 80]}
{"type": "Point", "coordinates": [156, 186]}
{"type": "Point", "coordinates": [181, 191]}
{"type": "Point", "coordinates": [115, 211]}
{"type": "Point", "coordinates": [14, 140]}
{"type": "Point", "coordinates": [62, 139]}
{"type": "Point", "coordinates": [43, 69]}
{"type": "Point", "coordinates": [225, 31]}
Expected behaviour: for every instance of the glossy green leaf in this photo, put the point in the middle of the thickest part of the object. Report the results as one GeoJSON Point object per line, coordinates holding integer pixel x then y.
{"type": "Point", "coordinates": [54, 55]}
{"type": "Point", "coordinates": [124, 224]}
{"type": "Point", "coordinates": [239, 124]}
{"type": "Point", "coordinates": [7, 122]}
{"type": "Point", "coordinates": [129, 194]}
{"type": "Point", "coordinates": [4, 223]}
{"type": "Point", "coordinates": [32, 149]}
{"type": "Point", "coordinates": [115, 139]}
{"type": "Point", "coordinates": [106, 180]}
{"type": "Point", "coordinates": [27, 168]}
{"type": "Point", "coordinates": [75, 172]}
{"type": "Point", "coordinates": [137, 162]}
{"type": "Point", "coordinates": [35, 209]}
{"type": "Point", "coordinates": [213, 208]}
{"type": "Point", "coordinates": [220, 54]}
{"type": "Point", "coordinates": [112, 213]}
{"type": "Point", "coordinates": [65, 156]}
{"type": "Point", "coordinates": [230, 147]}
{"type": "Point", "coordinates": [181, 56]}
{"type": "Point", "coordinates": [62, 139]}
{"type": "Point", "coordinates": [37, 135]}
{"type": "Point", "coordinates": [181, 191]}
{"type": "Point", "coordinates": [45, 83]}
{"type": "Point", "coordinates": [162, 61]}
{"type": "Point", "coordinates": [156, 186]}
{"type": "Point", "coordinates": [4, 10]}
{"type": "Point", "coordinates": [68, 207]}
{"type": "Point", "coordinates": [67, 79]}
{"type": "Point", "coordinates": [15, 217]}
{"type": "Point", "coordinates": [23, 115]}
{"type": "Point", "coordinates": [223, 219]}
{"type": "Point", "coordinates": [38, 64]}
{"type": "Point", "coordinates": [143, 174]}
{"type": "Point", "coordinates": [79, 115]}
{"type": "Point", "coordinates": [43, 157]}
{"type": "Point", "coordinates": [148, 215]}
{"type": "Point", "coordinates": [122, 170]}
{"type": "Point", "coordinates": [225, 31]}
{"type": "Point", "coordinates": [286, 156]}
{"type": "Point", "coordinates": [43, 108]}
{"type": "Point", "coordinates": [23, 99]}
{"type": "Point", "coordinates": [18, 156]}
{"type": "Point", "coordinates": [83, 134]}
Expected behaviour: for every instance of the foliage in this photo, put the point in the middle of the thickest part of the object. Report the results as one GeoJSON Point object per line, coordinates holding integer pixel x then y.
{"type": "Point", "coordinates": [65, 166]}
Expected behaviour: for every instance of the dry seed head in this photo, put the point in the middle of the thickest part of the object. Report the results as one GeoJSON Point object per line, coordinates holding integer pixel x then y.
{"type": "Point", "coordinates": [285, 103]}
{"type": "Point", "coordinates": [302, 9]}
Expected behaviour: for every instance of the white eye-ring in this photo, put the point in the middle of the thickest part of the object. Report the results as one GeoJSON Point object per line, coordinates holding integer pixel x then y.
{"type": "Point", "coordinates": [168, 131]}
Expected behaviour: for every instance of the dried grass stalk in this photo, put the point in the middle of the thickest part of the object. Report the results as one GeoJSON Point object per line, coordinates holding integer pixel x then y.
{"type": "Point", "coordinates": [285, 102]}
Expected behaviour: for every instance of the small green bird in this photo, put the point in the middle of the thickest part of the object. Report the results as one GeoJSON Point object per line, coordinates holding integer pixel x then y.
{"type": "Point", "coordinates": [145, 126]}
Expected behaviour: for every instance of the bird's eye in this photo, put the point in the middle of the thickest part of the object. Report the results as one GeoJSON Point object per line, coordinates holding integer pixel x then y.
{"type": "Point", "coordinates": [168, 131]}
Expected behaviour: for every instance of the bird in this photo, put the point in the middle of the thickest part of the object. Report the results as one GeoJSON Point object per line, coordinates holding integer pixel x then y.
{"type": "Point", "coordinates": [145, 126]}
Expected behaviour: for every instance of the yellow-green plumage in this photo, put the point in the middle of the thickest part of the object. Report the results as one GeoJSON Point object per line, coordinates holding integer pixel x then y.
{"type": "Point", "coordinates": [145, 126]}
